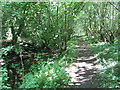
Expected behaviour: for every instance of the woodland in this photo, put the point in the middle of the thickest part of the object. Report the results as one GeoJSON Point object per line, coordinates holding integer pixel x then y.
{"type": "Point", "coordinates": [39, 41]}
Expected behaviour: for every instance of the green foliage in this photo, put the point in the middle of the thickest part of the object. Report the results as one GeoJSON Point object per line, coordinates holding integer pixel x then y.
{"type": "Point", "coordinates": [39, 62]}
{"type": "Point", "coordinates": [105, 51]}
{"type": "Point", "coordinates": [49, 76]}
{"type": "Point", "coordinates": [50, 26]}
{"type": "Point", "coordinates": [50, 73]}
{"type": "Point", "coordinates": [109, 77]}
{"type": "Point", "coordinates": [4, 51]}
{"type": "Point", "coordinates": [98, 21]}
{"type": "Point", "coordinates": [3, 78]}
{"type": "Point", "coordinates": [71, 52]}
{"type": "Point", "coordinates": [39, 22]}
{"type": "Point", "coordinates": [109, 60]}
{"type": "Point", "coordinates": [18, 49]}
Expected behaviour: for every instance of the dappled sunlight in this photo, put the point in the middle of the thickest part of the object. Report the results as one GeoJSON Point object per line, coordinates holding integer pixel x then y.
{"type": "Point", "coordinates": [111, 64]}
{"type": "Point", "coordinates": [86, 58]}
{"type": "Point", "coordinates": [77, 46]}
{"type": "Point", "coordinates": [81, 72]}
{"type": "Point", "coordinates": [83, 69]}
{"type": "Point", "coordinates": [59, 45]}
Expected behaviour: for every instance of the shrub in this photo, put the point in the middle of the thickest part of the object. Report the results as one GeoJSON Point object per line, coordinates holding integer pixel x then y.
{"type": "Point", "coordinates": [4, 78]}
{"type": "Point", "coordinates": [50, 76]}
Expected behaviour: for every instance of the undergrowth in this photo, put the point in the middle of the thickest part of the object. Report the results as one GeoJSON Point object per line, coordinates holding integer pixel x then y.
{"type": "Point", "coordinates": [50, 73]}
{"type": "Point", "coordinates": [108, 60]}
{"type": "Point", "coordinates": [36, 71]}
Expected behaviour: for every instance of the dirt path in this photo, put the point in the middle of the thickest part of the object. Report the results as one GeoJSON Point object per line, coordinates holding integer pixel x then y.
{"type": "Point", "coordinates": [83, 70]}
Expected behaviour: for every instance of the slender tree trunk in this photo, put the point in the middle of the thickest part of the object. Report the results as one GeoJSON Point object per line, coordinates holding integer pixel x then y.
{"type": "Point", "coordinates": [16, 34]}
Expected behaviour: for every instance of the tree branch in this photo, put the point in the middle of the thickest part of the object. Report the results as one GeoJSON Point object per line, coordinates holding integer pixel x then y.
{"type": "Point", "coordinates": [114, 6]}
